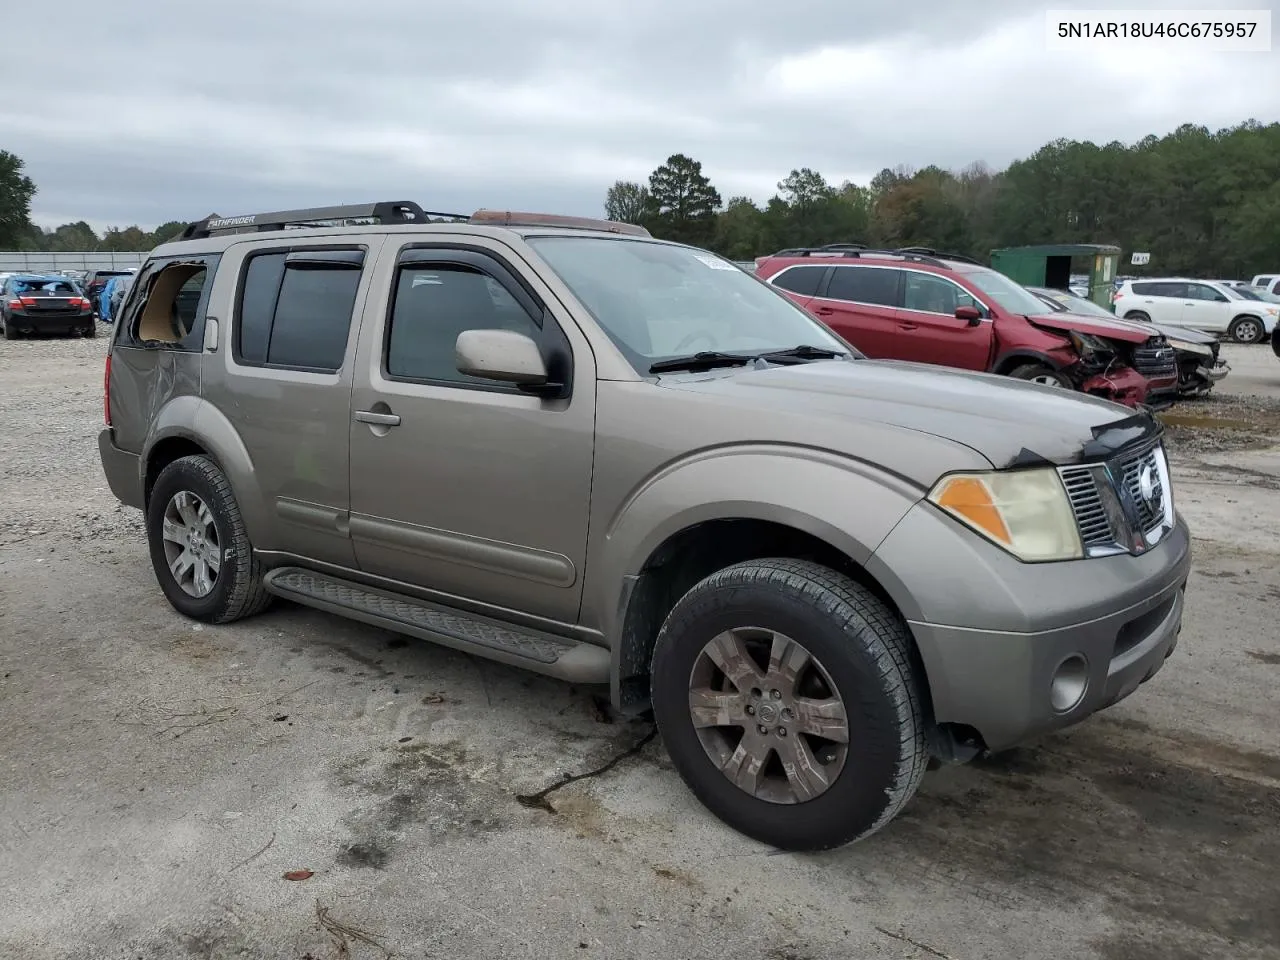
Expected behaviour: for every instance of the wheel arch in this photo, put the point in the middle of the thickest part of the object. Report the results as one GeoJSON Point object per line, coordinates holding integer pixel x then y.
{"type": "Point", "coordinates": [188, 425]}
{"type": "Point", "coordinates": [1007, 362]}
{"type": "Point", "coordinates": [700, 549]}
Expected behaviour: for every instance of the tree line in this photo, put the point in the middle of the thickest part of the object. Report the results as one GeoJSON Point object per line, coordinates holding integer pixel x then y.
{"type": "Point", "coordinates": [1200, 202]}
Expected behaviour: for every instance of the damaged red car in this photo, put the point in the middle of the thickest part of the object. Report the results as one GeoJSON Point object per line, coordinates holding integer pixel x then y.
{"type": "Point", "coordinates": [919, 305]}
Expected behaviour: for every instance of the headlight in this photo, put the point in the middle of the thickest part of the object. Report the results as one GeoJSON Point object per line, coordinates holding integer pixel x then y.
{"type": "Point", "coordinates": [1191, 347]}
{"type": "Point", "coordinates": [1089, 347]}
{"type": "Point", "coordinates": [1272, 310]}
{"type": "Point", "coordinates": [1025, 511]}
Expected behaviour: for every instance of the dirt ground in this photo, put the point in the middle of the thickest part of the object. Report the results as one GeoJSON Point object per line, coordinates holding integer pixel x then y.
{"type": "Point", "coordinates": [160, 781]}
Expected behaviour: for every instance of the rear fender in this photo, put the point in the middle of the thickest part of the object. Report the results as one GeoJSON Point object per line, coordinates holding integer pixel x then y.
{"type": "Point", "coordinates": [203, 424]}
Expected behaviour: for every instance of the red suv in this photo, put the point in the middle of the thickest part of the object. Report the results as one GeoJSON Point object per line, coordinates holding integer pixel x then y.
{"type": "Point", "coordinates": [915, 304]}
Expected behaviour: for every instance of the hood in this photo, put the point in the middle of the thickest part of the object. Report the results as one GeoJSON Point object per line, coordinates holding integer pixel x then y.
{"type": "Point", "coordinates": [1117, 329]}
{"type": "Point", "coordinates": [1007, 421]}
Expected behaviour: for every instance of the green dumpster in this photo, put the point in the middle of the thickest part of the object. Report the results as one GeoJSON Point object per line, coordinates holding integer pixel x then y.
{"type": "Point", "coordinates": [1050, 266]}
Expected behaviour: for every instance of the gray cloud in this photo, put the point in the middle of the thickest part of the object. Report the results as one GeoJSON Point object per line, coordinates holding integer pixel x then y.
{"type": "Point", "coordinates": [169, 111]}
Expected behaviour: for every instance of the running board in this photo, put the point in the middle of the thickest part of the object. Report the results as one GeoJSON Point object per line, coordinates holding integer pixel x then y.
{"type": "Point", "coordinates": [533, 650]}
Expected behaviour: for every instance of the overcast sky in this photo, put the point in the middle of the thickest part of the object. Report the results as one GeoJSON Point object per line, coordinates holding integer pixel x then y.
{"type": "Point", "coordinates": [128, 111]}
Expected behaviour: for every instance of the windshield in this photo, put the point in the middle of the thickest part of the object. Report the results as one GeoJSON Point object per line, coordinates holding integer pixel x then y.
{"type": "Point", "coordinates": [1005, 292]}
{"type": "Point", "coordinates": [657, 301]}
{"type": "Point", "coordinates": [1242, 293]}
{"type": "Point", "coordinates": [1080, 305]}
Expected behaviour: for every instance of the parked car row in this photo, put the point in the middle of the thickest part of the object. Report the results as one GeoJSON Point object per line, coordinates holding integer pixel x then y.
{"type": "Point", "coordinates": [944, 309]}
{"type": "Point", "coordinates": [1208, 305]}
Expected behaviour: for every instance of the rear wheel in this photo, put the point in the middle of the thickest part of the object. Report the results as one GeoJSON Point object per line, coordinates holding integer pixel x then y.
{"type": "Point", "coordinates": [199, 546]}
{"type": "Point", "coordinates": [1040, 373]}
{"type": "Point", "coordinates": [1137, 315]}
{"type": "Point", "coordinates": [9, 332]}
{"type": "Point", "coordinates": [1246, 330]}
{"type": "Point", "coordinates": [788, 699]}
{"type": "Point", "coordinates": [91, 330]}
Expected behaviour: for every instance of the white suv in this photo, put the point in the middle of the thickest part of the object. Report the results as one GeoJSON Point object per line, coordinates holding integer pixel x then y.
{"type": "Point", "coordinates": [1201, 304]}
{"type": "Point", "coordinates": [1270, 282]}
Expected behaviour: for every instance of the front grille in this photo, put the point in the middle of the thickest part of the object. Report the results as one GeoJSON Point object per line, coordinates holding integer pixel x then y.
{"type": "Point", "coordinates": [1149, 510]}
{"type": "Point", "coordinates": [1121, 505]}
{"type": "Point", "coordinates": [1155, 359]}
{"type": "Point", "coordinates": [1086, 504]}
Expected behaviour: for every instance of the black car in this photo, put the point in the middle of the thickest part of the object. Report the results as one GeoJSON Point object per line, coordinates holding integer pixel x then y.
{"type": "Point", "coordinates": [1199, 367]}
{"type": "Point", "coordinates": [37, 303]}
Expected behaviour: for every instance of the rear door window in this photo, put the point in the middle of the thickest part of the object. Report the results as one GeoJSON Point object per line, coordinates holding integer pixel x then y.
{"type": "Point", "coordinates": [295, 308]}
{"type": "Point", "coordinates": [872, 285]}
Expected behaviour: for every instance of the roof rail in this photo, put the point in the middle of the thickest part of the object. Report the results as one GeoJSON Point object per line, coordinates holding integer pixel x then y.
{"type": "Point", "coordinates": [512, 218]}
{"type": "Point", "coordinates": [387, 211]}
{"type": "Point", "coordinates": [830, 250]}
{"type": "Point", "coordinates": [930, 252]}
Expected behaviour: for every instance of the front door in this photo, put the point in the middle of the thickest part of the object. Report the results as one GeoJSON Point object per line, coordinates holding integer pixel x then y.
{"type": "Point", "coordinates": [1205, 308]}
{"type": "Point", "coordinates": [930, 331]}
{"type": "Point", "coordinates": [464, 487]}
{"type": "Point", "coordinates": [860, 304]}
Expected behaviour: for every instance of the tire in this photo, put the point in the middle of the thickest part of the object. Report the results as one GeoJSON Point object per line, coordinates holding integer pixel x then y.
{"type": "Point", "coordinates": [1137, 315]}
{"type": "Point", "coordinates": [90, 331]}
{"type": "Point", "coordinates": [9, 332]}
{"type": "Point", "coordinates": [237, 589]}
{"type": "Point", "coordinates": [864, 658]}
{"type": "Point", "coordinates": [1044, 375]}
{"type": "Point", "coordinates": [1246, 330]}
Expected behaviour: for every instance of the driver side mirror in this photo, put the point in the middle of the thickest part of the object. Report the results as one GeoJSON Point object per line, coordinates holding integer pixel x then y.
{"type": "Point", "coordinates": [502, 355]}
{"type": "Point", "coordinates": [972, 314]}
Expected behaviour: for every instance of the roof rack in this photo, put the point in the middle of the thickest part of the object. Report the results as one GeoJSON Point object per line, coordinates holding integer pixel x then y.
{"type": "Point", "coordinates": [930, 252]}
{"type": "Point", "coordinates": [830, 249]}
{"type": "Point", "coordinates": [511, 218]}
{"type": "Point", "coordinates": [387, 211]}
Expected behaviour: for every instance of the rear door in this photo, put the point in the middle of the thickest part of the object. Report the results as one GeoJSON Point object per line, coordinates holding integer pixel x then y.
{"type": "Point", "coordinates": [1160, 300]}
{"type": "Point", "coordinates": [860, 303]}
{"type": "Point", "coordinates": [929, 330]}
{"type": "Point", "coordinates": [1205, 308]}
{"type": "Point", "coordinates": [285, 382]}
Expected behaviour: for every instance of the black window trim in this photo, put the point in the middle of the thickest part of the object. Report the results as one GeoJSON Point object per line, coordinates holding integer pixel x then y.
{"type": "Point", "coordinates": [287, 249]}
{"type": "Point", "coordinates": [147, 272]}
{"type": "Point", "coordinates": [482, 260]}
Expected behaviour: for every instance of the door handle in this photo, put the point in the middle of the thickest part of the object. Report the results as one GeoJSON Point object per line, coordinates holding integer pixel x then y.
{"type": "Point", "coordinates": [824, 311]}
{"type": "Point", "coordinates": [906, 326]}
{"type": "Point", "coordinates": [381, 419]}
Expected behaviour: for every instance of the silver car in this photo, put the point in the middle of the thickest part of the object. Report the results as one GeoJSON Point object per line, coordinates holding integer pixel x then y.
{"type": "Point", "coordinates": [570, 447]}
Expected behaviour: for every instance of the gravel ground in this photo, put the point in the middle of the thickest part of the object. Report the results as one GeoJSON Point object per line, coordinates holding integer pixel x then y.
{"type": "Point", "coordinates": [159, 779]}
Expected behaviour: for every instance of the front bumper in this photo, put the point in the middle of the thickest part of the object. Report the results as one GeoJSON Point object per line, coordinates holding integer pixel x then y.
{"type": "Point", "coordinates": [123, 470]}
{"type": "Point", "coordinates": [993, 632]}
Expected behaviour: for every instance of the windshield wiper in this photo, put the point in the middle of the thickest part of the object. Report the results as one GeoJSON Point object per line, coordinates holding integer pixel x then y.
{"type": "Point", "coordinates": [704, 360]}
{"type": "Point", "coordinates": [803, 352]}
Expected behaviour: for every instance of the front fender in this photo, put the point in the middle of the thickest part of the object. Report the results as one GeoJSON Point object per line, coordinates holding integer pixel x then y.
{"type": "Point", "coordinates": [849, 504]}
{"type": "Point", "coordinates": [197, 420]}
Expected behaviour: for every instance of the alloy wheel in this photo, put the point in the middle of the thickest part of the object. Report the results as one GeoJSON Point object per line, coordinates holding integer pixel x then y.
{"type": "Point", "coordinates": [768, 715]}
{"type": "Point", "coordinates": [191, 545]}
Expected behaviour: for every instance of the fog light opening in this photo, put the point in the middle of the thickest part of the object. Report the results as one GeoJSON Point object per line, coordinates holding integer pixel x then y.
{"type": "Point", "coordinates": [1070, 681]}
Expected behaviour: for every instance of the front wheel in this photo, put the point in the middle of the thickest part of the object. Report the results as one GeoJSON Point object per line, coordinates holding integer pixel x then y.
{"type": "Point", "coordinates": [788, 699]}
{"type": "Point", "coordinates": [1041, 374]}
{"type": "Point", "coordinates": [199, 546]}
{"type": "Point", "coordinates": [1246, 330]}
{"type": "Point", "coordinates": [1137, 315]}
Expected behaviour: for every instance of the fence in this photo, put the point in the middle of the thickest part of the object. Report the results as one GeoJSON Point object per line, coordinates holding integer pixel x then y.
{"type": "Point", "coordinates": [12, 261]}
